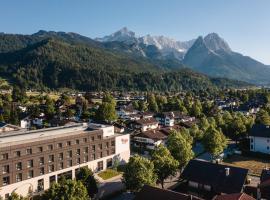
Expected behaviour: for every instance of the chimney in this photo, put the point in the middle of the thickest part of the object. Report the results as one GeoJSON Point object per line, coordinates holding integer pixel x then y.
{"type": "Point", "coordinates": [227, 171]}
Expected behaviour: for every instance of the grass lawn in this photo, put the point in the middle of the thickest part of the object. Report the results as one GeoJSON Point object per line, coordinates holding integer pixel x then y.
{"type": "Point", "coordinates": [108, 173]}
{"type": "Point", "coordinates": [255, 165]}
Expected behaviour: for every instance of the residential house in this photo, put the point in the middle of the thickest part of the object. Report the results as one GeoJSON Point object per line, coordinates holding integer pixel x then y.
{"type": "Point", "coordinates": [235, 196]}
{"type": "Point", "coordinates": [153, 138]}
{"type": "Point", "coordinates": [264, 186]}
{"type": "Point", "coordinates": [215, 178]}
{"type": "Point", "coordinates": [149, 192]}
{"type": "Point", "coordinates": [260, 138]}
{"type": "Point", "coordinates": [145, 124]}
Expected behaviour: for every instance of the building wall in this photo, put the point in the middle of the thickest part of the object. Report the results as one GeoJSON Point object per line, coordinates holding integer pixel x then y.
{"type": "Point", "coordinates": [260, 144]}
{"type": "Point", "coordinates": [113, 146]}
{"type": "Point", "coordinates": [23, 187]}
{"type": "Point", "coordinates": [149, 126]}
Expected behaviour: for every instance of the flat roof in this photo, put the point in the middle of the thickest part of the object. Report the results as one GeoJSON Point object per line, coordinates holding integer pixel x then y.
{"type": "Point", "coordinates": [10, 138]}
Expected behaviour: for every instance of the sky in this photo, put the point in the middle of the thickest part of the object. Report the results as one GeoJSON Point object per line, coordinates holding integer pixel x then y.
{"type": "Point", "coordinates": [244, 24]}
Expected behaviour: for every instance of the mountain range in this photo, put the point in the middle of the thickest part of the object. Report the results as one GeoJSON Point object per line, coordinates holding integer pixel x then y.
{"type": "Point", "coordinates": [54, 60]}
{"type": "Point", "coordinates": [210, 55]}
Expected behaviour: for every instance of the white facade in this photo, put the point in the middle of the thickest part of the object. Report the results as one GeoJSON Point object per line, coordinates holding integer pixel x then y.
{"type": "Point", "coordinates": [146, 127]}
{"type": "Point", "coordinates": [260, 144]}
{"type": "Point", "coordinates": [147, 142]}
{"type": "Point", "coordinates": [122, 154]}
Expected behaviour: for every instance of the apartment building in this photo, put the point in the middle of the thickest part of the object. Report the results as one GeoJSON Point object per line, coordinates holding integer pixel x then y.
{"type": "Point", "coordinates": [30, 161]}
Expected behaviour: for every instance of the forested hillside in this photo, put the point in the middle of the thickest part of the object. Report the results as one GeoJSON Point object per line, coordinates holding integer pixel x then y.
{"type": "Point", "coordinates": [63, 62]}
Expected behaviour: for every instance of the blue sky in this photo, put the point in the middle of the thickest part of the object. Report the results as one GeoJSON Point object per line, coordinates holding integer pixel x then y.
{"type": "Point", "coordinates": [244, 24]}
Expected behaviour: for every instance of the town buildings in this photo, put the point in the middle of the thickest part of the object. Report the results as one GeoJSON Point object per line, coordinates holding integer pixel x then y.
{"type": "Point", "coordinates": [260, 138]}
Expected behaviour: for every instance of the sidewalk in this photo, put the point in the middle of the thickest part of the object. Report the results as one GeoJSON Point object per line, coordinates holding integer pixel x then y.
{"type": "Point", "coordinates": [110, 186]}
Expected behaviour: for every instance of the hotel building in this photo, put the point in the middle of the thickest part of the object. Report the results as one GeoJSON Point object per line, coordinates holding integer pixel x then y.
{"type": "Point", "coordinates": [30, 161]}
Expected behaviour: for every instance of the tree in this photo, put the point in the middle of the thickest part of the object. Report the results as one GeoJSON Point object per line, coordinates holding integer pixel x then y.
{"type": "Point", "coordinates": [18, 94]}
{"type": "Point", "coordinates": [164, 163]}
{"type": "Point", "coordinates": [214, 141]}
{"type": "Point", "coordinates": [66, 190]}
{"type": "Point", "coordinates": [138, 172]}
{"type": "Point", "coordinates": [142, 106]}
{"type": "Point", "coordinates": [152, 104]}
{"type": "Point", "coordinates": [15, 196]}
{"type": "Point", "coordinates": [86, 176]}
{"type": "Point", "coordinates": [49, 110]}
{"type": "Point", "coordinates": [263, 117]}
{"type": "Point", "coordinates": [238, 128]}
{"type": "Point", "coordinates": [106, 111]}
{"type": "Point", "coordinates": [180, 148]}
{"type": "Point", "coordinates": [196, 108]}
{"type": "Point", "coordinates": [195, 132]}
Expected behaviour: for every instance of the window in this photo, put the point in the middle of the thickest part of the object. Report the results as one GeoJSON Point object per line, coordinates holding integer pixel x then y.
{"type": "Point", "coordinates": [100, 165]}
{"type": "Point", "coordinates": [78, 160]}
{"type": "Point", "coordinates": [41, 161]}
{"type": "Point", "coordinates": [51, 158]}
{"type": "Point", "coordinates": [28, 151]}
{"type": "Point", "coordinates": [69, 154]}
{"type": "Point", "coordinates": [100, 155]}
{"type": "Point", "coordinates": [112, 143]}
{"type": "Point", "coordinates": [100, 146]}
{"type": "Point", "coordinates": [60, 165]}
{"type": "Point", "coordinates": [85, 150]}
{"type": "Point", "coordinates": [41, 171]}
{"type": "Point", "coordinates": [7, 196]}
{"type": "Point", "coordinates": [19, 166]}
{"type": "Point", "coordinates": [85, 159]}
{"type": "Point", "coordinates": [40, 149]}
{"type": "Point", "coordinates": [30, 163]}
{"type": "Point", "coordinates": [78, 152]}
{"type": "Point", "coordinates": [60, 156]}
{"type": "Point", "coordinates": [93, 147]}
{"type": "Point", "coordinates": [268, 140]}
{"type": "Point", "coordinates": [59, 145]}
{"type": "Point", "coordinates": [109, 163]}
{"type": "Point", "coordinates": [99, 137]}
{"type": "Point", "coordinates": [267, 147]}
{"type": "Point", "coordinates": [19, 177]}
{"type": "Point", "coordinates": [4, 156]}
{"type": "Point", "coordinates": [93, 156]}
{"type": "Point", "coordinates": [40, 185]}
{"type": "Point", "coordinates": [52, 179]}
{"type": "Point", "coordinates": [50, 147]}
{"type": "Point", "coordinates": [77, 141]}
{"type": "Point", "coordinates": [30, 174]}
{"type": "Point", "coordinates": [93, 138]}
{"type": "Point", "coordinates": [6, 180]}
{"type": "Point", "coordinates": [17, 154]}
{"type": "Point", "coordinates": [251, 140]}
{"type": "Point", "coordinates": [84, 140]}
{"type": "Point", "coordinates": [5, 169]}
{"type": "Point", "coordinates": [68, 143]}
{"type": "Point", "coordinates": [51, 168]}
{"type": "Point", "coordinates": [251, 146]}
{"type": "Point", "coordinates": [107, 145]}
{"type": "Point", "coordinates": [108, 152]}
{"type": "Point", "coordinates": [69, 163]}
{"type": "Point", "coordinates": [113, 151]}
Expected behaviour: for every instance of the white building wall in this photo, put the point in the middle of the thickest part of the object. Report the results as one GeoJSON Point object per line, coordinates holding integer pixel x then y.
{"type": "Point", "coordinates": [122, 153]}
{"type": "Point", "coordinates": [260, 144]}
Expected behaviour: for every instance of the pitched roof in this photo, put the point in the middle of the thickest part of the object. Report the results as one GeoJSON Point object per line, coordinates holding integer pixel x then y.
{"type": "Point", "coordinates": [235, 196]}
{"type": "Point", "coordinates": [153, 134]}
{"type": "Point", "coordinates": [260, 130]}
{"type": "Point", "coordinates": [149, 192]}
{"type": "Point", "coordinates": [215, 175]}
{"type": "Point", "coordinates": [145, 121]}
